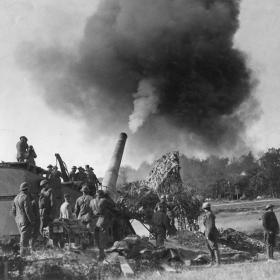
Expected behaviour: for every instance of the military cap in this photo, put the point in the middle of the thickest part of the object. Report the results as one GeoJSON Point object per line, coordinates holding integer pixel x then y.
{"type": "Point", "coordinates": [206, 205]}
{"type": "Point", "coordinates": [87, 166]}
{"type": "Point", "coordinates": [268, 206]}
{"type": "Point", "coordinates": [74, 167]}
{"type": "Point", "coordinates": [80, 168]}
{"type": "Point", "coordinates": [23, 137]}
{"type": "Point", "coordinates": [49, 166]}
{"type": "Point", "coordinates": [23, 186]}
{"type": "Point", "coordinates": [84, 188]}
{"type": "Point", "coordinates": [43, 182]}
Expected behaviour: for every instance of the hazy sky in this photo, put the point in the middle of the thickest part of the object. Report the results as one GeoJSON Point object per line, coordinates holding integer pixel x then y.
{"type": "Point", "coordinates": [23, 111]}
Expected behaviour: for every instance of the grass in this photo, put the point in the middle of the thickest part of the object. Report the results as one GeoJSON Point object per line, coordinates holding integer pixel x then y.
{"type": "Point", "coordinates": [245, 271]}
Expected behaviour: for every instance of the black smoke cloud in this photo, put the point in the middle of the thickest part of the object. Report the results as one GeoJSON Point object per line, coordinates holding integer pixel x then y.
{"type": "Point", "coordinates": [181, 49]}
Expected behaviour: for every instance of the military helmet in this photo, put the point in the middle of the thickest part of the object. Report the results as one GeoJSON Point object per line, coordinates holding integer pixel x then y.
{"type": "Point", "coordinates": [23, 137]}
{"type": "Point", "coordinates": [49, 166]}
{"type": "Point", "coordinates": [74, 167]}
{"type": "Point", "coordinates": [84, 188]}
{"type": "Point", "coordinates": [43, 183]}
{"type": "Point", "coordinates": [23, 186]}
{"type": "Point", "coordinates": [269, 206]}
{"type": "Point", "coordinates": [206, 205]}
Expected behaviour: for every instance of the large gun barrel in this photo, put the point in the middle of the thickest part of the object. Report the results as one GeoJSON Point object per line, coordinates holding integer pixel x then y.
{"type": "Point", "coordinates": [111, 175]}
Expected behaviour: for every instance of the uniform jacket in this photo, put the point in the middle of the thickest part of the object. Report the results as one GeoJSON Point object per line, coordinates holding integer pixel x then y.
{"type": "Point", "coordinates": [82, 206]}
{"type": "Point", "coordinates": [105, 207]}
{"type": "Point", "coordinates": [270, 222]}
{"type": "Point", "coordinates": [211, 231]}
{"type": "Point", "coordinates": [21, 149]}
{"type": "Point", "coordinates": [22, 210]}
{"type": "Point", "coordinates": [46, 202]}
{"type": "Point", "coordinates": [160, 220]}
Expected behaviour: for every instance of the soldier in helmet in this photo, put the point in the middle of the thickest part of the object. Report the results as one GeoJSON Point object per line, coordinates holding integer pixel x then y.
{"type": "Point", "coordinates": [160, 225]}
{"type": "Point", "coordinates": [82, 206]}
{"type": "Point", "coordinates": [163, 203]}
{"type": "Point", "coordinates": [102, 211]}
{"type": "Point", "coordinates": [24, 216]}
{"type": "Point", "coordinates": [271, 229]}
{"type": "Point", "coordinates": [211, 233]}
{"type": "Point", "coordinates": [22, 148]}
{"type": "Point", "coordinates": [46, 204]}
{"type": "Point", "coordinates": [73, 174]}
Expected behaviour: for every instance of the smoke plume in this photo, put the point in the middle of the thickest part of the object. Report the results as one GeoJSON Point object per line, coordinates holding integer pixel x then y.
{"type": "Point", "coordinates": [145, 103]}
{"type": "Point", "coordinates": [173, 60]}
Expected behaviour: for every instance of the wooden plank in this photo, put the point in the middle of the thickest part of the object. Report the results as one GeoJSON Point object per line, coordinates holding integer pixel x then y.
{"type": "Point", "coordinates": [125, 267]}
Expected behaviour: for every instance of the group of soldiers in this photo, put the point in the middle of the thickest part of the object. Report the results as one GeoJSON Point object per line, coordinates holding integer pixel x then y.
{"type": "Point", "coordinates": [33, 215]}
{"type": "Point", "coordinates": [85, 175]}
{"type": "Point", "coordinates": [163, 223]}
{"type": "Point", "coordinates": [270, 226]}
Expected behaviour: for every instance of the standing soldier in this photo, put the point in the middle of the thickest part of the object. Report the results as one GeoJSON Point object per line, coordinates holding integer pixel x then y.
{"type": "Point", "coordinates": [65, 208]}
{"type": "Point", "coordinates": [211, 233]}
{"type": "Point", "coordinates": [162, 202]}
{"type": "Point", "coordinates": [49, 171]}
{"type": "Point", "coordinates": [81, 175]}
{"type": "Point", "coordinates": [45, 205]}
{"type": "Point", "coordinates": [271, 229]}
{"type": "Point", "coordinates": [103, 213]}
{"type": "Point", "coordinates": [170, 214]}
{"type": "Point", "coordinates": [36, 228]}
{"type": "Point", "coordinates": [73, 174]}
{"type": "Point", "coordinates": [22, 147]}
{"type": "Point", "coordinates": [22, 211]}
{"type": "Point", "coordinates": [82, 207]}
{"type": "Point", "coordinates": [92, 180]}
{"type": "Point", "coordinates": [160, 225]}
{"type": "Point", "coordinates": [31, 155]}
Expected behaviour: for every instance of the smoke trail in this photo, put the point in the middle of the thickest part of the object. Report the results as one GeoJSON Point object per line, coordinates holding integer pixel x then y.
{"type": "Point", "coordinates": [184, 46]}
{"type": "Point", "coordinates": [145, 103]}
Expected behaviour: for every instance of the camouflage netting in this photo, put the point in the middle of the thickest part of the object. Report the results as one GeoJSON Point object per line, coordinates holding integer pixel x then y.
{"type": "Point", "coordinates": [163, 179]}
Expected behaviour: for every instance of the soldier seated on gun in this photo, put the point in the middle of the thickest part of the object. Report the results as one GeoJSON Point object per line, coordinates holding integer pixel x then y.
{"type": "Point", "coordinates": [160, 225]}
{"type": "Point", "coordinates": [271, 229]}
{"type": "Point", "coordinates": [211, 233]}
{"type": "Point", "coordinates": [65, 208]}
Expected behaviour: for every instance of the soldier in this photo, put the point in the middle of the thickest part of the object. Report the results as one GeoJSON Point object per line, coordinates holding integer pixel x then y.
{"type": "Point", "coordinates": [36, 228]}
{"type": "Point", "coordinates": [162, 201]}
{"type": "Point", "coordinates": [31, 155]}
{"type": "Point", "coordinates": [24, 216]}
{"type": "Point", "coordinates": [81, 175]}
{"type": "Point", "coordinates": [92, 180]}
{"type": "Point", "coordinates": [46, 204]}
{"type": "Point", "coordinates": [73, 174]}
{"type": "Point", "coordinates": [170, 205]}
{"type": "Point", "coordinates": [65, 208]}
{"type": "Point", "coordinates": [211, 233]}
{"type": "Point", "coordinates": [49, 171]}
{"type": "Point", "coordinates": [22, 147]}
{"type": "Point", "coordinates": [160, 225]}
{"type": "Point", "coordinates": [103, 214]}
{"type": "Point", "coordinates": [271, 229]}
{"type": "Point", "coordinates": [82, 208]}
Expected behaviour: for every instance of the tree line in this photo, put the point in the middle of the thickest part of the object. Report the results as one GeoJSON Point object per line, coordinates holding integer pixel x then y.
{"type": "Point", "coordinates": [221, 177]}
